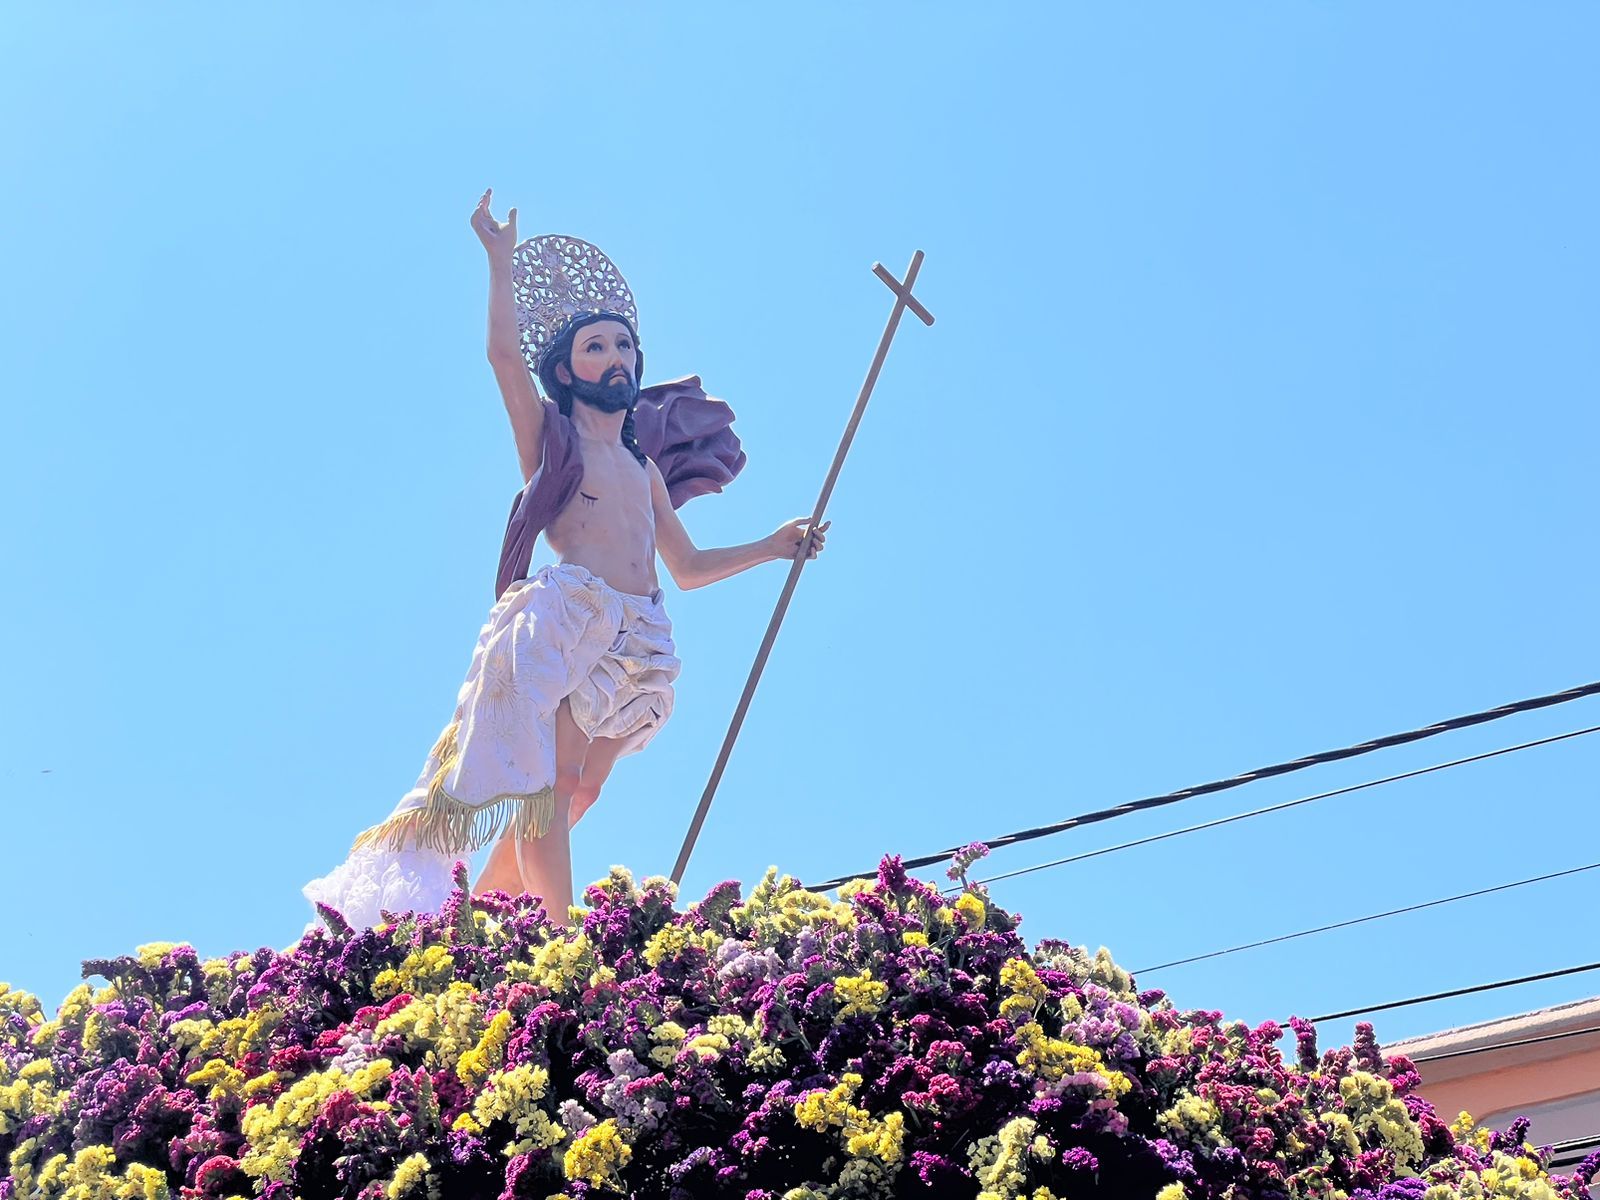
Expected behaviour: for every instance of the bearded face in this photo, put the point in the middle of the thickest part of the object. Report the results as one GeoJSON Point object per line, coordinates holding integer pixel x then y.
{"type": "Point", "coordinates": [616, 393]}
{"type": "Point", "coordinates": [604, 366]}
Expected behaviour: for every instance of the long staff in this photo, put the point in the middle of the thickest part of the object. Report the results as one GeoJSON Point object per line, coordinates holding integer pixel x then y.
{"type": "Point", "coordinates": [903, 299]}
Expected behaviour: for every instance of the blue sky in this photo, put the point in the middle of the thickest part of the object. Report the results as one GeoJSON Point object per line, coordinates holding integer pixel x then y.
{"type": "Point", "coordinates": [1258, 419]}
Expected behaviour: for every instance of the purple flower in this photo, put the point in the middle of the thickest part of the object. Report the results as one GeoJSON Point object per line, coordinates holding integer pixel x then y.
{"type": "Point", "coordinates": [610, 1034]}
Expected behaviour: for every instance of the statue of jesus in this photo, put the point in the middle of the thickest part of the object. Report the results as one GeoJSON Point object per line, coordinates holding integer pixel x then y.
{"type": "Point", "coordinates": [575, 665]}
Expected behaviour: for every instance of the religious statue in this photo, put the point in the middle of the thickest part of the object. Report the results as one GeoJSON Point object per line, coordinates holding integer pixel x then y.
{"type": "Point", "coordinates": [574, 667]}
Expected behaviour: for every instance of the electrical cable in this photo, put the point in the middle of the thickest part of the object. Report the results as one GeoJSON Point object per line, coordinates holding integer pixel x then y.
{"type": "Point", "coordinates": [1272, 808]}
{"type": "Point", "coordinates": [1533, 1041]}
{"type": "Point", "coordinates": [1284, 768]}
{"type": "Point", "coordinates": [1393, 912]}
{"type": "Point", "coordinates": [1466, 991]}
{"type": "Point", "coordinates": [1573, 1151]}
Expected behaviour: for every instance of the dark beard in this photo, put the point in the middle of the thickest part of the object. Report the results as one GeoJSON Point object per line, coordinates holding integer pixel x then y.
{"type": "Point", "coordinates": [616, 395]}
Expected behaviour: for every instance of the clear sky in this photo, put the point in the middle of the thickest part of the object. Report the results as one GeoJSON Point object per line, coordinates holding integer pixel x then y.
{"type": "Point", "coordinates": [1258, 419]}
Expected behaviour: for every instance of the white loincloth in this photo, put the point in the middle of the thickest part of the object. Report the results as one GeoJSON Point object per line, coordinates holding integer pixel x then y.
{"type": "Point", "coordinates": [562, 633]}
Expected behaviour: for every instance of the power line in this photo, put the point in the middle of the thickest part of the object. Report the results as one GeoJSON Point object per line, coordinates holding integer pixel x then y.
{"type": "Point", "coordinates": [1220, 785]}
{"type": "Point", "coordinates": [1272, 808]}
{"type": "Point", "coordinates": [1466, 991]}
{"type": "Point", "coordinates": [1393, 912]}
{"type": "Point", "coordinates": [1533, 1041]}
{"type": "Point", "coordinates": [1573, 1151]}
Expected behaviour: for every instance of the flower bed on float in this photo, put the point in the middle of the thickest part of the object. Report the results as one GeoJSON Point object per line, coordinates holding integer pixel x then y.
{"type": "Point", "coordinates": [784, 1047]}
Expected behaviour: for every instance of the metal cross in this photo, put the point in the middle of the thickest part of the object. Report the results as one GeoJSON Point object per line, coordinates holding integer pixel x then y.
{"type": "Point", "coordinates": [903, 300]}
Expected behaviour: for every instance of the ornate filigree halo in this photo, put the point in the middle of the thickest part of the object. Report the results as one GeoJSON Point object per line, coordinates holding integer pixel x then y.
{"type": "Point", "coordinates": [553, 278]}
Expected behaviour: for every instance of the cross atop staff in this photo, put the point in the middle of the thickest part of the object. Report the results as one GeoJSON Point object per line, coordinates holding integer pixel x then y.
{"type": "Point", "coordinates": [904, 299]}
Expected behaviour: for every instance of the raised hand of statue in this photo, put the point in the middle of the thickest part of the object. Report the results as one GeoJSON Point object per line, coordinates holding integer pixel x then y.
{"type": "Point", "coordinates": [499, 238]}
{"type": "Point", "coordinates": [786, 541]}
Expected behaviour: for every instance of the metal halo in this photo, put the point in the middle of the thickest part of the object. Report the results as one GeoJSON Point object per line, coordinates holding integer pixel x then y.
{"type": "Point", "coordinates": [554, 277]}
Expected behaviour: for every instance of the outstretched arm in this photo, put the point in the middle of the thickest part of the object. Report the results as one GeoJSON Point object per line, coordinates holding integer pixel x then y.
{"type": "Point", "coordinates": [523, 405]}
{"type": "Point", "coordinates": [692, 567]}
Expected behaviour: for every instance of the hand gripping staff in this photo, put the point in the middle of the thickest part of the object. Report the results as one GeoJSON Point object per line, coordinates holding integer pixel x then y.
{"type": "Point", "coordinates": [903, 299]}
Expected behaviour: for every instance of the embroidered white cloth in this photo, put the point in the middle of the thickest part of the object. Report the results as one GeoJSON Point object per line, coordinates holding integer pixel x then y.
{"type": "Point", "coordinates": [561, 633]}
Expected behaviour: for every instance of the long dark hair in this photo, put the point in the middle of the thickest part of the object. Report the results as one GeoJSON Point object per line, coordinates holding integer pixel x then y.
{"type": "Point", "coordinates": [560, 352]}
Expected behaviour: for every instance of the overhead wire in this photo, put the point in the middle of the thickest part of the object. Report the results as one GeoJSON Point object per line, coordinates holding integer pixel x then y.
{"type": "Point", "coordinates": [1533, 1041]}
{"type": "Point", "coordinates": [1573, 1151]}
{"type": "Point", "coordinates": [1287, 804]}
{"type": "Point", "coordinates": [1465, 991]}
{"type": "Point", "coordinates": [1283, 768]}
{"type": "Point", "coordinates": [1466, 721]}
{"type": "Point", "coordinates": [1393, 912]}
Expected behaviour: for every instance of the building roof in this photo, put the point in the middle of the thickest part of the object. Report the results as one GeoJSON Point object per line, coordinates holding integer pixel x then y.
{"type": "Point", "coordinates": [1490, 1038]}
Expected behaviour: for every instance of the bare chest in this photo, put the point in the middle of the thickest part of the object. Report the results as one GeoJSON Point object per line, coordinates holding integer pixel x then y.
{"type": "Point", "coordinates": [612, 501]}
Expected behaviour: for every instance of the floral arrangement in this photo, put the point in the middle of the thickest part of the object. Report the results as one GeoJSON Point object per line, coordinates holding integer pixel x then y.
{"type": "Point", "coordinates": [787, 1046]}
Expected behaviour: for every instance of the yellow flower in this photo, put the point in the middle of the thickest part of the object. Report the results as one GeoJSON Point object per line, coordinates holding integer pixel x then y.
{"type": "Point", "coordinates": [854, 887]}
{"type": "Point", "coordinates": [778, 907]}
{"type": "Point", "coordinates": [93, 1030]}
{"type": "Point", "coordinates": [763, 1055]}
{"type": "Point", "coordinates": [730, 1025]}
{"type": "Point", "coordinates": [514, 1095]}
{"type": "Point", "coordinates": [446, 1025]}
{"type": "Point", "coordinates": [15, 1002]}
{"type": "Point", "coordinates": [188, 1034]}
{"type": "Point", "coordinates": [90, 1175]}
{"type": "Point", "coordinates": [1018, 976]}
{"type": "Point", "coordinates": [562, 964]}
{"type": "Point", "coordinates": [274, 1130]}
{"type": "Point", "coordinates": [408, 1175]}
{"type": "Point", "coordinates": [1342, 1130]}
{"type": "Point", "coordinates": [912, 938]}
{"type": "Point", "coordinates": [261, 1083]}
{"type": "Point", "coordinates": [1027, 992]}
{"type": "Point", "coordinates": [490, 1051]}
{"type": "Point", "coordinates": [709, 1046]}
{"type": "Point", "coordinates": [1373, 1109]}
{"type": "Point", "coordinates": [426, 969]}
{"type": "Point", "coordinates": [1195, 1119]}
{"type": "Point", "coordinates": [225, 1080]}
{"type": "Point", "coordinates": [78, 1004]}
{"type": "Point", "coordinates": [32, 1094]}
{"type": "Point", "coordinates": [598, 1156]}
{"type": "Point", "coordinates": [970, 907]}
{"type": "Point", "coordinates": [883, 1140]}
{"type": "Point", "coordinates": [231, 1039]}
{"type": "Point", "coordinates": [1000, 1161]}
{"type": "Point", "coordinates": [1053, 1058]}
{"type": "Point", "coordinates": [151, 953]}
{"type": "Point", "coordinates": [670, 1034]}
{"type": "Point", "coordinates": [667, 942]}
{"type": "Point", "coordinates": [859, 994]}
{"type": "Point", "coordinates": [820, 1109]}
{"type": "Point", "coordinates": [863, 1136]}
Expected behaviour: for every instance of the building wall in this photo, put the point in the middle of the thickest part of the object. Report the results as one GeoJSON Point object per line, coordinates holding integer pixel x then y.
{"type": "Point", "coordinates": [1556, 1083]}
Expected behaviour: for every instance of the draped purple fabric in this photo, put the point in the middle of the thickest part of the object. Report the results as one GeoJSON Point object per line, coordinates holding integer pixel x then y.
{"type": "Point", "coordinates": [688, 434]}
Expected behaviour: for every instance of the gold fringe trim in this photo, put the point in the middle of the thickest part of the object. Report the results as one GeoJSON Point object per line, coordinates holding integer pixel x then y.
{"type": "Point", "coordinates": [453, 826]}
{"type": "Point", "coordinates": [445, 747]}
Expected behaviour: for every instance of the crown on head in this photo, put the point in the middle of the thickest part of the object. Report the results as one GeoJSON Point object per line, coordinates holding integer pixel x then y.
{"type": "Point", "coordinates": [555, 278]}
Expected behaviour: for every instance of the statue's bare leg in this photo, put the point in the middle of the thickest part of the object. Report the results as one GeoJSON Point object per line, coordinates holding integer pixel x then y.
{"type": "Point", "coordinates": [546, 863]}
{"type": "Point", "coordinates": [500, 873]}
{"type": "Point", "coordinates": [597, 764]}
